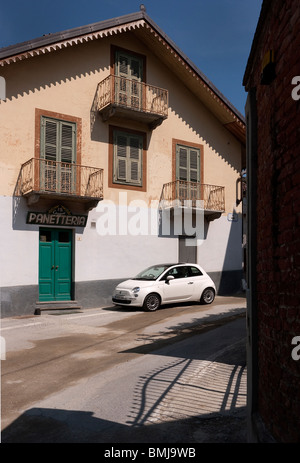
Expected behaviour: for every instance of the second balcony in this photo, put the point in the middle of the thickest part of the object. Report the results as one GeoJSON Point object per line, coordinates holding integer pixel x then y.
{"type": "Point", "coordinates": [195, 196]}
{"type": "Point", "coordinates": [121, 97]}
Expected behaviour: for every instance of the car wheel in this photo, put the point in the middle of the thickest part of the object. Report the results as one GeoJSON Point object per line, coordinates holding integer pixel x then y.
{"type": "Point", "coordinates": [208, 296]}
{"type": "Point", "coordinates": [152, 302]}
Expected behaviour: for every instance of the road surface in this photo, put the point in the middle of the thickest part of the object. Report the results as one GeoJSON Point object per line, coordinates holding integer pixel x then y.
{"type": "Point", "coordinates": [113, 375]}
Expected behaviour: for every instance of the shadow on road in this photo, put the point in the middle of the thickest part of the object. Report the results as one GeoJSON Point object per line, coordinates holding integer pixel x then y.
{"type": "Point", "coordinates": [185, 400]}
{"type": "Point", "coordinates": [41, 425]}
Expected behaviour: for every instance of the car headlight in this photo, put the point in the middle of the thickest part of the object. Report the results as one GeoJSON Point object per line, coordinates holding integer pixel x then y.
{"type": "Point", "coordinates": [136, 290]}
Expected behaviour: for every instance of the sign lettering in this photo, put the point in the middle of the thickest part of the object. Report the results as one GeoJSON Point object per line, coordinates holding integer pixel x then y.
{"type": "Point", "coordinates": [59, 216]}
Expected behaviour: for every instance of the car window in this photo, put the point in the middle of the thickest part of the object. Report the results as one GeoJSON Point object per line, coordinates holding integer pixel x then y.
{"type": "Point", "coordinates": [195, 272]}
{"type": "Point", "coordinates": [178, 272]}
{"type": "Point", "coordinates": [151, 273]}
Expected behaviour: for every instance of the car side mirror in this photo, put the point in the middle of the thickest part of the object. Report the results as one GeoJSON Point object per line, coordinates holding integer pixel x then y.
{"type": "Point", "coordinates": [169, 278]}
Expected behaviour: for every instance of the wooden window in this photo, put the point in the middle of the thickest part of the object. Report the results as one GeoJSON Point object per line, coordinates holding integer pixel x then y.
{"type": "Point", "coordinates": [128, 158]}
{"type": "Point", "coordinates": [128, 88]}
{"type": "Point", "coordinates": [187, 168]}
{"type": "Point", "coordinates": [58, 154]}
{"type": "Point", "coordinates": [187, 163]}
{"type": "Point", "coordinates": [58, 140]}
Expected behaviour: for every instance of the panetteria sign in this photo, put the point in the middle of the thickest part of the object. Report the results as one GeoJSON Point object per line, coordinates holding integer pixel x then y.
{"type": "Point", "coordinates": [59, 216]}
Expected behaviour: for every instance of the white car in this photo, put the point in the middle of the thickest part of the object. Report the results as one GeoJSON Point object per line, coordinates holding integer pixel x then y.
{"type": "Point", "coordinates": [165, 284]}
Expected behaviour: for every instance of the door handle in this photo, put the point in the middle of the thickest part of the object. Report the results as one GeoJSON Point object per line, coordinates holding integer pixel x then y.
{"type": "Point", "coordinates": [190, 283]}
{"type": "Point", "coordinates": [56, 267]}
{"type": "Point", "coordinates": [52, 267]}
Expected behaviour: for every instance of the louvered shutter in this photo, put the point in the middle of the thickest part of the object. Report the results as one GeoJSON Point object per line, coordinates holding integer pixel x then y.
{"type": "Point", "coordinates": [183, 164]}
{"type": "Point", "coordinates": [128, 87]}
{"type": "Point", "coordinates": [187, 164]}
{"type": "Point", "coordinates": [194, 173]}
{"type": "Point", "coordinates": [67, 142]}
{"type": "Point", "coordinates": [188, 172]}
{"type": "Point", "coordinates": [121, 158]}
{"type": "Point", "coordinates": [58, 145]}
{"type": "Point", "coordinates": [67, 157]}
{"type": "Point", "coordinates": [136, 88]}
{"type": "Point", "coordinates": [135, 159]}
{"type": "Point", "coordinates": [128, 158]}
{"type": "Point", "coordinates": [49, 146]}
{"type": "Point", "coordinates": [49, 154]}
{"type": "Point", "coordinates": [58, 140]}
{"type": "Point", "coordinates": [194, 165]}
{"type": "Point", "coordinates": [122, 90]}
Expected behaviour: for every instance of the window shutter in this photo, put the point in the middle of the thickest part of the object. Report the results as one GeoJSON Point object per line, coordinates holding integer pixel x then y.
{"type": "Point", "coordinates": [135, 69]}
{"type": "Point", "coordinates": [187, 164]}
{"type": "Point", "coordinates": [67, 157]}
{"type": "Point", "coordinates": [128, 66]}
{"type": "Point", "coordinates": [58, 140]}
{"type": "Point", "coordinates": [127, 88]}
{"type": "Point", "coordinates": [122, 65]}
{"type": "Point", "coordinates": [136, 76]}
{"type": "Point", "coordinates": [121, 161]}
{"type": "Point", "coordinates": [135, 160]}
{"type": "Point", "coordinates": [58, 148]}
{"type": "Point", "coordinates": [68, 142]}
{"type": "Point", "coordinates": [194, 169]}
{"type": "Point", "coordinates": [127, 158]}
{"type": "Point", "coordinates": [49, 140]}
{"type": "Point", "coordinates": [183, 164]}
{"type": "Point", "coordinates": [122, 70]}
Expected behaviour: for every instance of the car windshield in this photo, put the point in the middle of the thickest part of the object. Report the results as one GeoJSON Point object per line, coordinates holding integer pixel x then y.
{"type": "Point", "coordinates": [151, 273]}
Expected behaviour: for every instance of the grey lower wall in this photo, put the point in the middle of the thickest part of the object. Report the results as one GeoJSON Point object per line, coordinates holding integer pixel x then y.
{"type": "Point", "coordinates": [21, 300]}
{"type": "Point", "coordinates": [18, 300]}
{"type": "Point", "coordinates": [227, 283]}
{"type": "Point", "coordinates": [91, 294]}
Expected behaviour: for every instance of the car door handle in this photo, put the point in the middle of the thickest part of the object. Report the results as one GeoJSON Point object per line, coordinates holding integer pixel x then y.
{"type": "Point", "coordinates": [190, 283]}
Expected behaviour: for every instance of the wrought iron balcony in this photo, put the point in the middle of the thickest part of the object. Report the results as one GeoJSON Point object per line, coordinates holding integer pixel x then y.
{"type": "Point", "coordinates": [121, 97]}
{"type": "Point", "coordinates": [209, 198]}
{"type": "Point", "coordinates": [41, 178]}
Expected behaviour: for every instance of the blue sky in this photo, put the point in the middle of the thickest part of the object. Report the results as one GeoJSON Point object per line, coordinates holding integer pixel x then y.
{"type": "Point", "coordinates": [215, 34]}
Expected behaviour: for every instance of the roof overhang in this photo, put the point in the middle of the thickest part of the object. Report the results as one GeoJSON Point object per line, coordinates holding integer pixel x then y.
{"type": "Point", "coordinates": [148, 32]}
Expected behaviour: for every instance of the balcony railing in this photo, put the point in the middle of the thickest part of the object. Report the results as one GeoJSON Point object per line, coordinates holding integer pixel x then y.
{"type": "Point", "coordinates": [210, 198]}
{"type": "Point", "coordinates": [44, 177]}
{"type": "Point", "coordinates": [117, 95]}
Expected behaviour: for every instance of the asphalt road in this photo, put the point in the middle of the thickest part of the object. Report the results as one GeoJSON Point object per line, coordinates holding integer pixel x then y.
{"type": "Point", "coordinates": [114, 375]}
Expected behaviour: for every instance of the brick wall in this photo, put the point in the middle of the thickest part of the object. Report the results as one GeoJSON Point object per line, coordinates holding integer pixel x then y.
{"type": "Point", "coordinates": [278, 223]}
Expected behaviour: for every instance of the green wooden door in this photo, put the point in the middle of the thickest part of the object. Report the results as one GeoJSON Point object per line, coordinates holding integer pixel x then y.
{"type": "Point", "coordinates": [55, 265]}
